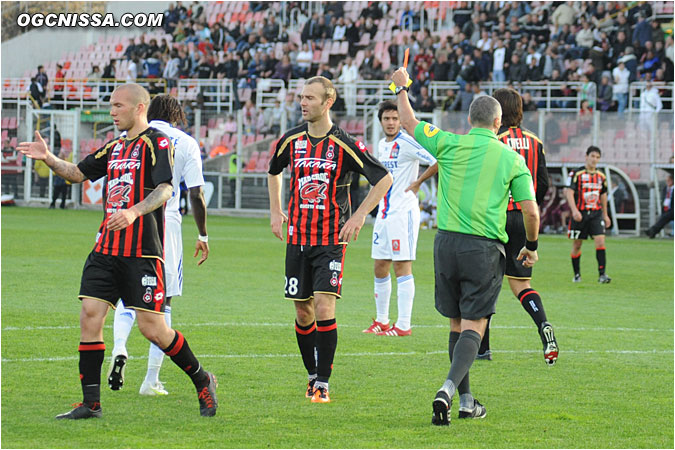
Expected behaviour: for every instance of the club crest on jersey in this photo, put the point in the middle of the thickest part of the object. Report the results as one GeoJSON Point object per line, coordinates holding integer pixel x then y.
{"type": "Point", "coordinates": [116, 149]}
{"type": "Point", "coordinates": [134, 153]}
{"type": "Point", "coordinates": [147, 297]}
{"type": "Point", "coordinates": [394, 151]}
{"type": "Point", "coordinates": [430, 130]}
{"type": "Point", "coordinates": [395, 245]}
{"type": "Point", "coordinates": [118, 195]}
{"type": "Point", "coordinates": [147, 280]}
{"type": "Point", "coordinates": [163, 143]}
{"type": "Point", "coordinates": [330, 153]}
{"type": "Point", "coordinates": [334, 279]}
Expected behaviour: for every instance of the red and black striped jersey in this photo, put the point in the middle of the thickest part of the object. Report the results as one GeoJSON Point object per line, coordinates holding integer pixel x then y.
{"type": "Point", "coordinates": [587, 187]}
{"type": "Point", "coordinates": [134, 167]}
{"type": "Point", "coordinates": [321, 172]}
{"type": "Point", "coordinates": [530, 147]}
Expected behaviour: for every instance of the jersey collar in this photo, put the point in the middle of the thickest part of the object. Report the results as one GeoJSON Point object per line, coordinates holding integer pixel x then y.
{"type": "Point", "coordinates": [483, 132]}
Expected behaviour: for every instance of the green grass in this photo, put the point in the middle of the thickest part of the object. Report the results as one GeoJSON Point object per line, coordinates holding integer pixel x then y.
{"type": "Point", "coordinates": [612, 386]}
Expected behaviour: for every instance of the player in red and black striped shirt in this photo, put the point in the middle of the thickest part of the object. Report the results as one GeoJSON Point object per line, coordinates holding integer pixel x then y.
{"type": "Point", "coordinates": [126, 261]}
{"type": "Point", "coordinates": [587, 196]}
{"type": "Point", "coordinates": [530, 147]}
{"type": "Point", "coordinates": [323, 159]}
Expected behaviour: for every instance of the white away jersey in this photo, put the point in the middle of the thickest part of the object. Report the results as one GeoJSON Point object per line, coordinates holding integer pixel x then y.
{"type": "Point", "coordinates": [187, 165]}
{"type": "Point", "coordinates": [402, 157]}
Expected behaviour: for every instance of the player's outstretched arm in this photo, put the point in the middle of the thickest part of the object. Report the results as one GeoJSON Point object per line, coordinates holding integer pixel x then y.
{"type": "Point", "coordinates": [125, 217]}
{"type": "Point", "coordinates": [356, 221]}
{"type": "Point", "coordinates": [405, 111]}
{"type": "Point", "coordinates": [277, 216]}
{"type": "Point", "coordinates": [199, 212]}
{"type": "Point", "coordinates": [430, 172]}
{"type": "Point", "coordinates": [38, 150]}
{"type": "Point", "coordinates": [531, 221]}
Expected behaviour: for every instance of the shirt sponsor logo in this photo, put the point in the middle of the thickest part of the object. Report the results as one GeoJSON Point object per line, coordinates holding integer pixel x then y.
{"type": "Point", "coordinates": [118, 195]}
{"type": "Point", "coordinates": [124, 164]}
{"type": "Point", "coordinates": [395, 245]}
{"type": "Point", "coordinates": [163, 143]}
{"type": "Point", "coordinates": [430, 130]}
{"type": "Point", "coordinates": [300, 145]}
{"type": "Point", "coordinates": [314, 192]}
{"type": "Point", "coordinates": [126, 178]}
{"type": "Point", "coordinates": [159, 297]}
{"type": "Point", "coordinates": [147, 280]}
{"type": "Point", "coordinates": [336, 266]}
{"type": "Point", "coordinates": [361, 146]}
{"type": "Point", "coordinates": [323, 177]}
{"type": "Point", "coordinates": [315, 163]}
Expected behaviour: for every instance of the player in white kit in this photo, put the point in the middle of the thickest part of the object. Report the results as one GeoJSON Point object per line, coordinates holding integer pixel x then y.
{"type": "Point", "coordinates": [163, 114]}
{"type": "Point", "coordinates": [398, 222]}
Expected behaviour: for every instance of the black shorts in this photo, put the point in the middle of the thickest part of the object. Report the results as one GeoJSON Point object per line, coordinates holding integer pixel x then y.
{"type": "Point", "coordinates": [313, 269]}
{"type": "Point", "coordinates": [469, 273]}
{"type": "Point", "coordinates": [592, 224]}
{"type": "Point", "coordinates": [139, 282]}
{"type": "Point", "coordinates": [515, 228]}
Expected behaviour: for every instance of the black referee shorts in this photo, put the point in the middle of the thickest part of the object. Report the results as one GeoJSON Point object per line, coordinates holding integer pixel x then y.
{"type": "Point", "coordinates": [469, 273]}
{"type": "Point", "coordinates": [515, 228]}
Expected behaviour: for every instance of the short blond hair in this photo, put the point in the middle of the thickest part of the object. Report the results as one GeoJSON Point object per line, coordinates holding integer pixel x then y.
{"type": "Point", "coordinates": [328, 88]}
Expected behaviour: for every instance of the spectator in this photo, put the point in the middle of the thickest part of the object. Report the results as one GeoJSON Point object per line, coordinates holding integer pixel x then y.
{"type": "Point", "coordinates": [171, 69]}
{"type": "Point", "coordinates": [605, 94]}
{"type": "Point", "coordinates": [657, 32]}
{"type": "Point", "coordinates": [59, 80]}
{"type": "Point", "coordinates": [293, 111]}
{"type": "Point", "coordinates": [642, 31]}
{"type": "Point", "coordinates": [272, 119]}
{"type": "Point", "coordinates": [339, 30]}
{"type": "Point", "coordinates": [667, 214]}
{"type": "Point", "coordinates": [440, 68]}
{"type": "Point", "coordinates": [424, 102]}
{"type": "Point", "coordinates": [621, 76]}
{"type": "Point", "coordinates": [463, 99]}
{"type": "Point", "coordinates": [353, 35]}
{"type": "Point", "coordinates": [650, 100]}
{"type": "Point", "coordinates": [528, 103]}
{"type": "Point", "coordinates": [348, 75]}
{"type": "Point", "coordinates": [37, 92]}
{"type": "Point", "coordinates": [649, 64]}
{"type": "Point", "coordinates": [283, 69]}
{"type": "Point", "coordinates": [132, 68]}
{"type": "Point", "coordinates": [584, 38]}
{"type": "Point", "coordinates": [130, 50]}
{"type": "Point", "coordinates": [95, 74]}
{"type": "Point", "coordinates": [271, 29]}
{"type": "Point", "coordinates": [42, 78]}
{"type": "Point", "coordinates": [587, 91]}
{"type": "Point", "coordinates": [170, 19]}
{"type": "Point", "coordinates": [152, 66]}
{"type": "Point", "coordinates": [304, 62]}
{"type": "Point", "coordinates": [252, 118]}
{"type": "Point", "coordinates": [631, 63]}
{"type": "Point", "coordinates": [517, 71]}
{"type": "Point", "coordinates": [498, 60]}
{"type": "Point", "coordinates": [448, 100]}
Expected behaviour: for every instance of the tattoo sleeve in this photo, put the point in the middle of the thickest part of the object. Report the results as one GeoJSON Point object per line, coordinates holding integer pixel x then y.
{"type": "Point", "coordinates": [155, 199]}
{"type": "Point", "coordinates": [66, 170]}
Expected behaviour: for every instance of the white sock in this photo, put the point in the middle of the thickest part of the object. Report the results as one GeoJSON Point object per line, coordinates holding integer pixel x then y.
{"type": "Point", "coordinates": [156, 355]}
{"type": "Point", "coordinates": [406, 295]}
{"type": "Point", "coordinates": [124, 320]}
{"type": "Point", "coordinates": [382, 295]}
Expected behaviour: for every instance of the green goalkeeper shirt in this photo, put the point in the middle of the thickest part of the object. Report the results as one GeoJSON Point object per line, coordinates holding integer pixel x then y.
{"type": "Point", "coordinates": [476, 172]}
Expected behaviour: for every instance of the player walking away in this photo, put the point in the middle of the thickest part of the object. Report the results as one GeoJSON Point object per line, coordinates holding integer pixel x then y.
{"type": "Point", "coordinates": [587, 196]}
{"type": "Point", "coordinates": [322, 158]}
{"type": "Point", "coordinates": [126, 261]}
{"type": "Point", "coordinates": [530, 147]}
{"type": "Point", "coordinates": [398, 222]}
{"type": "Point", "coordinates": [476, 172]}
{"type": "Point", "coordinates": [164, 114]}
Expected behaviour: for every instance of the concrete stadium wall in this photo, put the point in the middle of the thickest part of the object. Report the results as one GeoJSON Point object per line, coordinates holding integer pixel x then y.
{"type": "Point", "coordinates": [27, 51]}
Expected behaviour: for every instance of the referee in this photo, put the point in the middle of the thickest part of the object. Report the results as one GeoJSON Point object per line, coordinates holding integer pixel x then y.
{"type": "Point", "coordinates": [476, 172]}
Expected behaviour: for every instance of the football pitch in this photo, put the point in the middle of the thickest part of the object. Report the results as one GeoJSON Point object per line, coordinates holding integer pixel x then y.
{"type": "Point", "coordinates": [611, 388]}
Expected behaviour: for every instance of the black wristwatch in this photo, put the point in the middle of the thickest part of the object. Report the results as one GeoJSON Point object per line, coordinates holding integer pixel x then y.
{"type": "Point", "coordinates": [400, 88]}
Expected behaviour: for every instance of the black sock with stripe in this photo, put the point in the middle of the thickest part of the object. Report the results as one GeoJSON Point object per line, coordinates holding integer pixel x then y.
{"type": "Point", "coordinates": [576, 263]}
{"type": "Point", "coordinates": [602, 259]}
{"type": "Point", "coordinates": [531, 302]}
{"type": "Point", "coordinates": [91, 360]}
{"type": "Point", "coordinates": [326, 343]}
{"type": "Point", "coordinates": [306, 337]}
{"type": "Point", "coordinates": [180, 353]}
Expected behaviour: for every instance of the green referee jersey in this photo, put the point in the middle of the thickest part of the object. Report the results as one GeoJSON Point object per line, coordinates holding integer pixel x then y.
{"type": "Point", "coordinates": [476, 172]}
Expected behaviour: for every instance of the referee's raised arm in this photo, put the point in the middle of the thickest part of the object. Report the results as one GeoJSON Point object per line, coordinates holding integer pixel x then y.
{"type": "Point", "coordinates": [405, 111]}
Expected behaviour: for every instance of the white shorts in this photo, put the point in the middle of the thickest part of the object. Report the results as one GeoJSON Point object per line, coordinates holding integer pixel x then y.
{"type": "Point", "coordinates": [395, 238]}
{"type": "Point", "coordinates": [173, 257]}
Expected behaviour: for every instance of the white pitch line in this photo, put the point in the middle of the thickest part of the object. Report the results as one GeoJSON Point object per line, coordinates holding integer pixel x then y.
{"type": "Point", "coordinates": [369, 354]}
{"type": "Point", "coordinates": [290, 325]}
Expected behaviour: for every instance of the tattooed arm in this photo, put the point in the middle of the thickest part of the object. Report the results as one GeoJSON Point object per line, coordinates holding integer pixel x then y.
{"type": "Point", "coordinates": [39, 150]}
{"type": "Point", "coordinates": [125, 217]}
